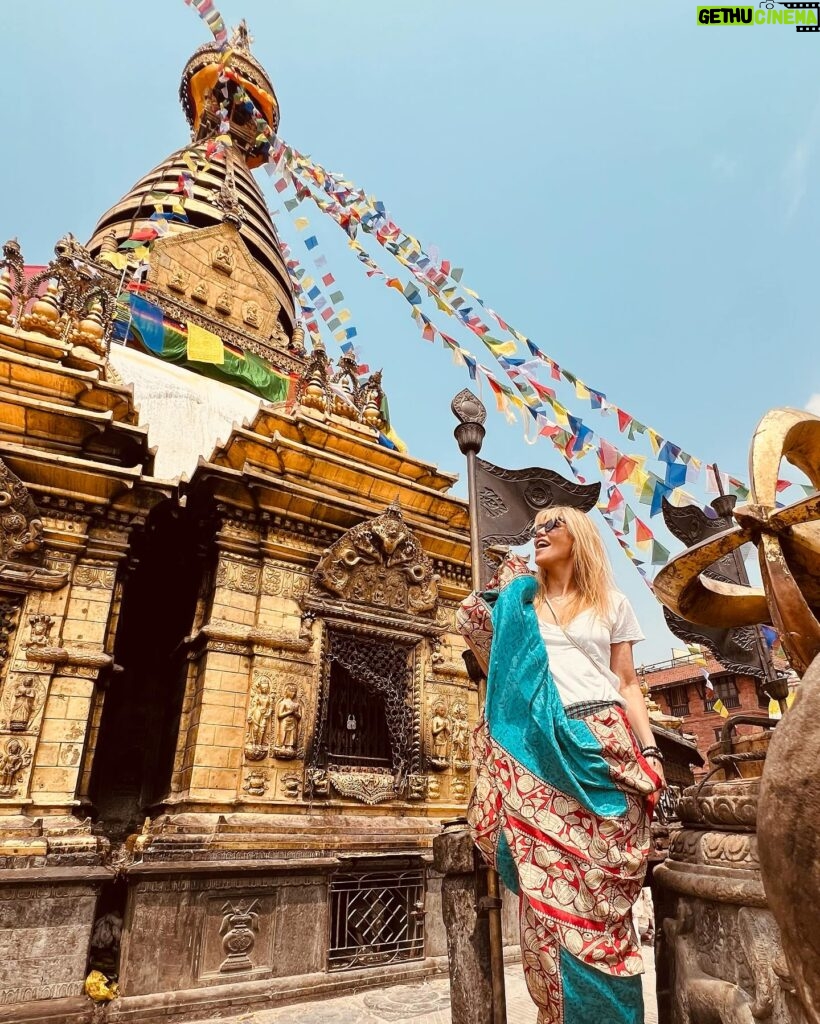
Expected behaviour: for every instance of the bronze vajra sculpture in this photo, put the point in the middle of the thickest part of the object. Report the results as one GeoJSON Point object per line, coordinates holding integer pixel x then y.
{"type": "Point", "coordinates": [788, 543]}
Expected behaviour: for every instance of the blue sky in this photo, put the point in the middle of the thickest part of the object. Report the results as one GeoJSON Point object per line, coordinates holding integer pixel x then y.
{"type": "Point", "coordinates": [632, 190]}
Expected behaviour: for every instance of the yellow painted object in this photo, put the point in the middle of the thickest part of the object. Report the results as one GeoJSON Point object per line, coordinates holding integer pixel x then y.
{"type": "Point", "coordinates": [99, 988]}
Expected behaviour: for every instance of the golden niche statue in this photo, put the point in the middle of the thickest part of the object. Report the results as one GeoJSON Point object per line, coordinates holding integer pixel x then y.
{"type": "Point", "coordinates": [259, 715]}
{"type": "Point", "coordinates": [288, 717]}
{"type": "Point", "coordinates": [788, 543]}
{"type": "Point", "coordinates": [440, 735]}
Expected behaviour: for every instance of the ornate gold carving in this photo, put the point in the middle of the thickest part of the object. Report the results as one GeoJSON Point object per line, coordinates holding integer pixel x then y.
{"type": "Point", "coordinates": [256, 782]}
{"type": "Point", "coordinates": [290, 785]}
{"type": "Point", "coordinates": [15, 758]}
{"type": "Point", "coordinates": [251, 314]}
{"type": "Point", "coordinates": [40, 627]}
{"type": "Point", "coordinates": [27, 694]}
{"type": "Point", "coordinates": [433, 788]}
{"type": "Point", "coordinates": [341, 393]}
{"type": "Point", "coordinates": [278, 581]}
{"type": "Point", "coordinates": [201, 293]}
{"type": "Point", "coordinates": [21, 528]}
{"type": "Point", "coordinates": [95, 576]}
{"type": "Point", "coordinates": [238, 576]}
{"type": "Point", "coordinates": [317, 782]}
{"type": "Point", "coordinates": [9, 612]}
{"type": "Point", "coordinates": [288, 719]}
{"type": "Point", "coordinates": [243, 639]}
{"type": "Point", "coordinates": [440, 736]}
{"type": "Point", "coordinates": [222, 258]}
{"type": "Point", "coordinates": [224, 302]}
{"type": "Point", "coordinates": [460, 734]}
{"type": "Point", "coordinates": [459, 788]}
{"type": "Point", "coordinates": [416, 787]}
{"type": "Point", "coordinates": [381, 563]}
{"type": "Point", "coordinates": [366, 787]}
{"type": "Point", "coordinates": [178, 281]}
{"type": "Point", "coordinates": [260, 710]}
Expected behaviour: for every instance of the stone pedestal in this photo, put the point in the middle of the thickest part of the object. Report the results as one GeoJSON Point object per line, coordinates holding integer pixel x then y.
{"type": "Point", "coordinates": [719, 956]}
{"type": "Point", "coordinates": [46, 916]}
{"type": "Point", "coordinates": [468, 938]}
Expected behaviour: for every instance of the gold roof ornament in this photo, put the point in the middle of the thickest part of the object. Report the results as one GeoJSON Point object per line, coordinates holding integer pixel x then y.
{"type": "Point", "coordinates": [787, 540]}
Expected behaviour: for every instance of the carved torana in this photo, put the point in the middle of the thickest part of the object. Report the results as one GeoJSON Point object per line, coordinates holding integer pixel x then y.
{"type": "Point", "coordinates": [380, 563]}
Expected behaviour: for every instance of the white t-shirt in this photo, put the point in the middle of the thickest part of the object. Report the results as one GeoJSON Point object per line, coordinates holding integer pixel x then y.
{"type": "Point", "coordinates": [575, 677]}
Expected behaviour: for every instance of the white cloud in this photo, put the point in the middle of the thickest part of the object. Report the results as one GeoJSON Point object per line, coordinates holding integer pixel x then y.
{"type": "Point", "coordinates": [813, 405]}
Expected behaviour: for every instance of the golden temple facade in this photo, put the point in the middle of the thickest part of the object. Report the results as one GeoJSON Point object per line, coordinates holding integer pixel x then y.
{"type": "Point", "coordinates": [233, 708]}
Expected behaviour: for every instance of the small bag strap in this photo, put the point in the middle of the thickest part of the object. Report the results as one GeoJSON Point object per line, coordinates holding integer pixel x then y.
{"type": "Point", "coordinates": [572, 639]}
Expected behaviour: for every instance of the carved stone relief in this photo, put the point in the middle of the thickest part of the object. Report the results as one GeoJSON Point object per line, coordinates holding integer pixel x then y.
{"type": "Point", "coordinates": [21, 528]}
{"type": "Point", "coordinates": [240, 924]}
{"type": "Point", "coordinates": [381, 563]}
{"type": "Point", "coordinates": [459, 788]}
{"type": "Point", "coordinates": [94, 575]}
{"type": "Point", "coordinates": [23, 700]}
{"type": "Point", "coordinates": [366, 787]}
{"type": "Point", "coordinates": [289, 711]}
{"type": "Point", "coordinates": [222, 258]}
{"type": "Point", "coordinates": [290, 785]}
{"type": "Point", "coordinates": [416, 787]}
{"type": "Point", "coordinates": [274, 720]}
{"type": "Point", "coordinates": [239, 576]}
{"type": "Point", "coordinates": [40, 627]}
{"type": "Point", "coordinates": [256, 782]}
{"type": "Point", "coordinates": [14, 759]}
{"type": "Point", "coordinates": [449, 734]}
{"type": "Point", "coordinates": [278, 581]}
{"type": "Point", "coordinates": [260, 711]}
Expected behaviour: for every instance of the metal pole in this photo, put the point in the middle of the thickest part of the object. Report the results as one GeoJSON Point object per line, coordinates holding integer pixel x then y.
{"type": "Point", "coordinates": [470, 435]}
{"type": "Point", "coordinates": [743, 577]}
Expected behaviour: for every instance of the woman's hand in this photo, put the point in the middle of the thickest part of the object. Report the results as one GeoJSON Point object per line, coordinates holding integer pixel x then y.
{"type": "Point", "coordinates": [656, 765]}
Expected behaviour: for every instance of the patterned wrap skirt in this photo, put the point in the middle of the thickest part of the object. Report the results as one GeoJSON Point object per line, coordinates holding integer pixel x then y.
{"type": "Point", "coordinates": [561, 809]}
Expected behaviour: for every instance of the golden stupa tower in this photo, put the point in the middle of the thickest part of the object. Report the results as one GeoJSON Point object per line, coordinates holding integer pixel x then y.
{"type": "Point", "coordinates": [233, 710]}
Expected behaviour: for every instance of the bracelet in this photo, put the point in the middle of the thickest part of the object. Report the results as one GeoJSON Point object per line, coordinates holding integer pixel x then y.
{"type": "Point", "coordinates": [652, 752]}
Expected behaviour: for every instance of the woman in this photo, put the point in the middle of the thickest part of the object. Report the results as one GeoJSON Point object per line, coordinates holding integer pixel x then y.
{"type": "Point", "coordinates": [568, 772]}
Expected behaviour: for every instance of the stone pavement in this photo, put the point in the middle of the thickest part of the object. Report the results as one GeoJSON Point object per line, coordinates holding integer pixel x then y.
{"type": "Point", "coordinates": [420, 1003]}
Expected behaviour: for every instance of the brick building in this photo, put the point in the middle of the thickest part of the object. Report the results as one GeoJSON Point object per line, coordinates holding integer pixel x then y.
{"type": "Point", "coordinates": [679, 689]}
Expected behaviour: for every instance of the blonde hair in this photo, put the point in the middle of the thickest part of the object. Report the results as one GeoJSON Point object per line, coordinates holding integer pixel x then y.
{"type": "Point", "coordinates": [590, 565]}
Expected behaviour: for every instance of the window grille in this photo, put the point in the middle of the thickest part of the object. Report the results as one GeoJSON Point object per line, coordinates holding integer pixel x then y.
{"type": "Point", "coordinates": [726, 690]}
{"type": "Point", "coordinates": [376, 918]}
{"type": "Point", "coordinates": [679, 701]}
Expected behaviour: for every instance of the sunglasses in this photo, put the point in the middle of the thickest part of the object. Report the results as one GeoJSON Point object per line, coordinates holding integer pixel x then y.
{"type": "Point", "coordinates": [548, 526]}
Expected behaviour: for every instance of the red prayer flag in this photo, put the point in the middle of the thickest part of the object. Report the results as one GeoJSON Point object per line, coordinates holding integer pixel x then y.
{"type": "Point", "coordinates": [624, 419]}
{"type": "Point", "coordinates": [642, 531]}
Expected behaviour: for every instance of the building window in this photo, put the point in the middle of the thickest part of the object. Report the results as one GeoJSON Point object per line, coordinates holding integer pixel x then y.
{"type": "Point", "coordinates": [718, 734]}
{"type": "Point", "coordinates": [376, 918]}
{"type": "Point", "coordinates": [679, 701]}
{"type": "Point", "coordinates": [726, 690]}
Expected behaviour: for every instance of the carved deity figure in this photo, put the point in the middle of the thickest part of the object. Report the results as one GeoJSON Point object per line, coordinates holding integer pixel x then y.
{"type": "Point", "coordinates": [200, 293]}
{"type": "Point", "coordinates": [178, 280]}
{"type": "Point", "coordinates": [440, 733]}
{"type": "Point", "coordinates": [222, 258]}
{"type": "Point", "coordinates": [288, 716]}
{"type": "Point", "coordinates": [224, 302]}
{"type": "Point", "coordinates": [460, 735]}
{"type": "Point", "coordinates": [23, 706]}
{"type": "Point", "coordinates": [251, 314]}
{"type": "Point", "coordinates": [259, 715]}
{"type": "Point", "coordinates": [12, 762]}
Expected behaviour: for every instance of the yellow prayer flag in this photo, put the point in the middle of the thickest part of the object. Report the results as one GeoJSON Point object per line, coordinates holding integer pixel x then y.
{"type": "Point", "coordinates": [344, 315]}
{"type": "Point", "coordinates": [190, 163]}
{"type": "Point", "coordinates": [471, 292]}
{"type": "Point", "coordinates": [581, 390]}
{"type": "Point", "coordinates": [774, 709]}
{"type": "Point", "coordinates": [720, 708]}
{"type": "Point", "coordinates": [306, 282]}
{"type": "Point", "coordinates": [638, 477]}
{"type": "Point", "coordinates": [204, 346]}
{"type": "Point", "coordinates": [443, 305]}
{"type": "Point", "coordinates": [678, 653]}
{"type": "Point", "coordinates": [790, 699]}
{"type": "Point", "coordinates": [116, 259]}
{"type": "Point", "coordinates": [301, 223]}
{"type": "Point", "coordinates": [655, 440]}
